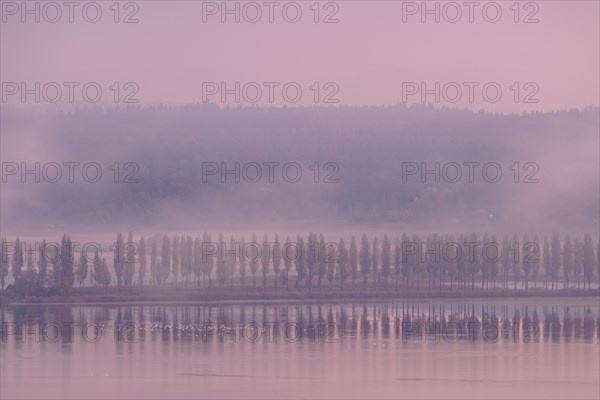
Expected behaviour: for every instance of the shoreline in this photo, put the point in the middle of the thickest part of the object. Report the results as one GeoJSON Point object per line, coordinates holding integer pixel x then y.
{"type": "Point", "coordinates": [148, 296]}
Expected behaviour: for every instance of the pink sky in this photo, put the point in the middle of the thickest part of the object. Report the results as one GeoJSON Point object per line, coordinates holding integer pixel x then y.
{"type": "Point", "coordinates": [369, 53]}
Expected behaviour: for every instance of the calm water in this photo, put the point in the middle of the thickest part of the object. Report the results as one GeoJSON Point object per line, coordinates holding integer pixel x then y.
{"type": "Point", "coordinates": [471, 349]}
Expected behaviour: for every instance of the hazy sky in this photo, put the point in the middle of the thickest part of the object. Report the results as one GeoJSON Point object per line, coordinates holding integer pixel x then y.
{"type": "Point", "coordinates": [369, 53]}
{"type": "Point", "coordinates": [364, 58]}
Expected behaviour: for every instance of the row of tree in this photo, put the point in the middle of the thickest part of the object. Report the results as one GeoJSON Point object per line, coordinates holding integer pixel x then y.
{"type": "Point", "coordinates": [437, 261]}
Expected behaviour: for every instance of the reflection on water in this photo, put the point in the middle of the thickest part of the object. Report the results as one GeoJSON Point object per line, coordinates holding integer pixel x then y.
{"type": "Point", "coordinates": [294, 323]}
{"type": "Point", "coordinates": [284, 350]}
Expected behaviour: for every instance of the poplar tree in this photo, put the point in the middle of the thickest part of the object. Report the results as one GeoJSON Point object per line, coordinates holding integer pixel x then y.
{"type": "Point", "coordinates": [547, 261]}
{"type": "Point", "coordinates": [397, 261]}
{"type": "Point", "coordinates": [175, 258]}
{"type": "Point", "coordinates": [430, 254]}
{"type": "Point", "coordinates": [406, 260]}
{"type": "Point", "coordinates": [353, 260]}
{"type": "Point", "coordinates": [265, 259]}
{"type": "Point", "coordinates": [221, 272]}
{"type": "Point", "coordinates": [197, 259]}
{"type": "Point", "coordinates": [300, 261]}
{"type": "Point", "coordinates": [386, 249]}
{"type": "Point", "coordinates": [312, 250]}
{"type": "Point", "coordinates": [277, 255]}
{"type": "Point", "coordinates": [43, 264]}
{"type": "Point", "coordinates": [474, 257]}
{"type": "Point", "coordinates": [577, 260]}
{"type": "Point", "coordinates": [3, 262]}
{"type": "Point", "coordinates": [495, 260]}
{"type": "Point", "coordinates": [130, 256]}
{"type": "Point", "coordinates": [528, 255]}
{"type": "Point", "coordinates": [142, 261]}
{"type": "Point", "coordinates": [556, 259]}
{"type": "Point", "coordinates": [83, 269]}
{"type": "Point", "coordinates": [330, 262]}
{"type": "Point", "coordinates": [567, 261]}
{"type": "Point", "coordinates": [537, 261]}
{"type": "Point", "coordinates": [375, 261]}
{"type": "Point", "coordinates": [254, 259]}
{"type": "Point", "coordinates": [506, 260]}
{"type": "Point", "coordinates": [17, 260]}
{"type": "Point", "coordinates": [589, 261]}
{"type": "Point", "coordinates": [242, 261]}
{"type": "Point", "coordinates": [119, 259]}
{"type": "Point", "coordinates": [418, 262]}
{"type": "Point", "coordinates": [98, 273]}
{"type": "Point", "coordinates": [485, 261]}
{"type": "Point", "coordinates": [343, 262]}
{"type": "Point", "coordinates": [321, 259]}
{"type": "Point", "coordinates": [67, 260]}
{"type": "Point", "coordinates": [207, 259]}
{"type": "Point", "coordinates": [165, 260]}
{"type": "Point", "coordinates": [232, 253]}
{"type": "Point", "coordinates": [187, 263]}
{"type": "Point", "coordinates": [154, 270]}
{"type": "Point", "coordinates": [453, 258]}
{"type": "Point", "coordinates": [365, 259]}
{"type": "Point", "coordinates": [598, 259]}
{"type": "Point", "coordinates": [105, 273]}
{"type": "Point", "coordinates": [287, 259]}
{"type": "Point", "coordinates": [516, 260]}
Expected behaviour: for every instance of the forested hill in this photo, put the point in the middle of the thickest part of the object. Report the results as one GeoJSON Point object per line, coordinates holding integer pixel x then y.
{"type": "Point", "coordinates": [367, 147]}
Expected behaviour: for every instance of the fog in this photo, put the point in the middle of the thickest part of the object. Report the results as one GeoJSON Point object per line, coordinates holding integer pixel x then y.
{"type": "Point", "coordinates": [364, 188]}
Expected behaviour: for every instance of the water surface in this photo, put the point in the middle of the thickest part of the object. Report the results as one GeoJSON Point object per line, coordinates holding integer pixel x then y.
{"type": "Point", "coordinates": [533, 348]}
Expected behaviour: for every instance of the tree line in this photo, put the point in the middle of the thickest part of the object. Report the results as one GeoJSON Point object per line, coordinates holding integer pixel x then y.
{"type": "Point", "coordinates": [435, 261]}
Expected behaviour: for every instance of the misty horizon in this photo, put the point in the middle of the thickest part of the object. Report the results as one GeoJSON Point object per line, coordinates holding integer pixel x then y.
{"type": "Point", "coordinates": [354, 199]}
{"type": "Point", "coordinates": [349, 138]}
